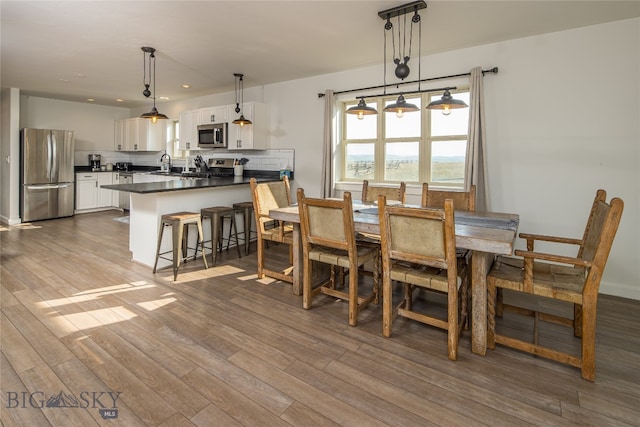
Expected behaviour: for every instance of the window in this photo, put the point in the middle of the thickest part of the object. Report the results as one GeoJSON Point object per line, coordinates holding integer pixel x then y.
{"type": "Point", "coordinates": [424, 146]}
{"type": "Point", "coordinates": [174, 142]}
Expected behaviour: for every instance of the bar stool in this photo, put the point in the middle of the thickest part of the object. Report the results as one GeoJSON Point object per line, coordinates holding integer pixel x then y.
{"type": "Point", "coordinates": [179, 221]}
{"type": "Point", "coordinates": [246, 210]}
{"type": "Point", "coordinates": [217, 214]}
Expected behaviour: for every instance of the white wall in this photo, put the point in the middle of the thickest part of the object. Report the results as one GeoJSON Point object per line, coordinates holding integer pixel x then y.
{"type": "Point", "coordinates": [10, 155]}
{"type": "Point", "coordinates": [93, 125]}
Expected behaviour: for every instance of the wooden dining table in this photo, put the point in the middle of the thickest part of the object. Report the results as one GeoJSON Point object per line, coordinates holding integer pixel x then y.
{"type": "Point", "coordinates": [485, 234]}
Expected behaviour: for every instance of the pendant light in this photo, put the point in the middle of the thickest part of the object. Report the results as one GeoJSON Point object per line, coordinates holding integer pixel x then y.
{"type": "Point", "coordinates": [446, 103]}
{"type": "Point", "coordinates": [153, 114]}
{"type": "Point", "coordinates": [400, 107]}
{"type": "Point", "coordinates": [362, 109]}
{"type": "Point", "coordinates": [240, 88]}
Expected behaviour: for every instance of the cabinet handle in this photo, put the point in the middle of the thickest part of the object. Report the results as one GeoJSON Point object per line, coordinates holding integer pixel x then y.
{"type": "Point", "coordinates": [213, 118]}
{"type": "Point", "coordinates": [188, 145]}
{"type": "Point", "coordinates": [135, 147]}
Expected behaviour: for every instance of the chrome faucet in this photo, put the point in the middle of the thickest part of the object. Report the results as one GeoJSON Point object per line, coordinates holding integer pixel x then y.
{"type": "Point", "coordinates": [162, 159]}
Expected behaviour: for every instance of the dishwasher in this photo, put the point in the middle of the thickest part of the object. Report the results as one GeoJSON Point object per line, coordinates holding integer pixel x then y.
{"type": "Point", "coordinates": [124, 178]}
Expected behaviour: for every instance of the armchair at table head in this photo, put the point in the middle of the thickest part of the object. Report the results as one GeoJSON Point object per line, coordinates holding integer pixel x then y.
{"type": "Point", "coordinates": [574, 280]}
{"type": "Point", "coordinates": [267, 196]}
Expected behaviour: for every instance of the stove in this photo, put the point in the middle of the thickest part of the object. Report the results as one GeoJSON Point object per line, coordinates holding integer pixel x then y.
{"type": "Point", "coordinates": [216, 168]}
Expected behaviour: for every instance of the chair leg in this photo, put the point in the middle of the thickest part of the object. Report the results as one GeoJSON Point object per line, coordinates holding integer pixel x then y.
{"type": "Point", "coordinates": [464, 303]}
{"type": "Point", "coordinates": [201, 244]}
{"type": "Point", "coordinates": [376, 278]}
{"type": "Point", "coordinates": [498, 301]}
{"type": "Point", "coordinates": [491, 316]}
{"type": "Point", "coordinates": [160, 233]}
{"type": "Point", "coordinates": [452, 324]}
{"type": "Point", "coordinates": [178, 232]}
{"type": "Point", "coordinates": [307, 292]}
{"type": "Point", "coordinates": [260, 254]}
{"type": "Point", "coordinates": [353, 296]}
{"type": "Point", "coordinates": [235, 233]}
{"type": "Point", "coordinates": [577, 320]}
{"type": "Point", "coordinates": [588, 369]}
{"type": "Point", "coordinates": [387, 294]}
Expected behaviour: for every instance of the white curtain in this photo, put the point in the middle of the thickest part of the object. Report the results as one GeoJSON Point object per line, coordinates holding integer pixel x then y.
{"type": "Point", "coordinates": [327, 146]}
{"type": "Point", "coordinates": [475, 169]}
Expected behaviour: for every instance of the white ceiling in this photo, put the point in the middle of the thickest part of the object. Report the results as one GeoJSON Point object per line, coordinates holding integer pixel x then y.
{"type": "Point", "coordinates": [75, 50]}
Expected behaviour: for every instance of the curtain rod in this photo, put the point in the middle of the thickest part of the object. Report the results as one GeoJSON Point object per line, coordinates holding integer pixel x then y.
{"type": "Point", "coordinates": [493, 70]}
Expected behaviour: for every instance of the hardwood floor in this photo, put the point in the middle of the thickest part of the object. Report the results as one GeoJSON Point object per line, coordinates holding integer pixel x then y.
{"type": "Point", "coordinates": [218, 347]}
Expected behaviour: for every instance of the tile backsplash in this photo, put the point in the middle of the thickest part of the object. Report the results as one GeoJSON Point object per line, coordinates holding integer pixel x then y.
{"type": "Point", "coordinates": [268, 160]}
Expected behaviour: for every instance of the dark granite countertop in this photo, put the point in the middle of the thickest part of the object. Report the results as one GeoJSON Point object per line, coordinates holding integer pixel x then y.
{"type": "Point", "coordinates": [184, 184]}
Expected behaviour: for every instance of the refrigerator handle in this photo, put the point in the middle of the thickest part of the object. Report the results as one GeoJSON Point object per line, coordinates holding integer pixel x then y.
{"type": "Point", "coordinates": [53, 144]}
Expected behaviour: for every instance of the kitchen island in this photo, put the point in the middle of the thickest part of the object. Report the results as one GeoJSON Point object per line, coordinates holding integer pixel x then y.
{"type": "Point", "coordinates": [151, 200]}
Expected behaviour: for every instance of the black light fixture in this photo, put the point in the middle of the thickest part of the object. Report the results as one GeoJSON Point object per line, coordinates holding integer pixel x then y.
{"type": "Point", "coordinates": [401, 59]}
{"type": "Point", "coordinates": [446, 103]}
{"type": "Point", "coordinates": [362, 109]}
{"type": "Point", "coordinates": [400, 107]}
{"type": "Point", "coordinates": [240, 88]}
{"type": "Point", "coordinates": [153, 114]}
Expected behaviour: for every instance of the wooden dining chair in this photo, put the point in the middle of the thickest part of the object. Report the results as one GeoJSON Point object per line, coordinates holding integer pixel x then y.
{"type": "Point", "coordinates": [267, 196]}
{"type": "Point", "coordinates": [462, 200]}
{"type": "Point", "coordinates": [575, 280]}
{"type": "Point", "coordinates": [328, 236]}
{"type": "Point", "coordinates": [370, 193]}
{"type": "Point", "coordinates": [419, 250]}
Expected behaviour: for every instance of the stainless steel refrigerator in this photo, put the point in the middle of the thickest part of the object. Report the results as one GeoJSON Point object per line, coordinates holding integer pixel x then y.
{"type": "Point", "coordinates": [46, 174]}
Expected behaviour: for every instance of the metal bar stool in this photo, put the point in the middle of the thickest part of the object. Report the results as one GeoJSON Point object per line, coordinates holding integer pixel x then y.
{"type": "Point", "coordinates": [217, 214]}
{"type": "Point", "coordinates": [246, 210]}
{"type": "Point", "coordinates": [179, 222]}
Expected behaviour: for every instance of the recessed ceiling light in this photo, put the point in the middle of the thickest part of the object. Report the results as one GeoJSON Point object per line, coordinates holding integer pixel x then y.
{"type": "Point", "coordinates": [90, 99]}
{"type": "Point", "coordinates": [63, 80]}
{"type": "Point", "coordinates": [79, 75]}
{"type": "Point", "coordinates": [164, 98]}
{"type": "Point", "coordinates": [186, 86]}
{"type": "Point", "coordinates": [119, 100]}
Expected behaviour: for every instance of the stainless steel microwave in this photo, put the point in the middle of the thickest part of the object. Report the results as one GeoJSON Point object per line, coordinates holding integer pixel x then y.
{"type": "Point", "coordinates": [213, 135]}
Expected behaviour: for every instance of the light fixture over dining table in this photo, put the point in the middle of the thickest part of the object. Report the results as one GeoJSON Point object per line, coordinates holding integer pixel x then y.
{"type": "Point", "coordinates": [401, 54]}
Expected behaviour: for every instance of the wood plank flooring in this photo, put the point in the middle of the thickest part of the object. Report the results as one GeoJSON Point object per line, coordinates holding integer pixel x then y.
{"type": "Point", "coordinates": [219, 347]}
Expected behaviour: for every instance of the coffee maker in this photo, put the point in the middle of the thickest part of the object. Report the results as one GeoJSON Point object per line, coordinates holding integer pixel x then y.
{"type": "Point", "coordinates": [94, 161]}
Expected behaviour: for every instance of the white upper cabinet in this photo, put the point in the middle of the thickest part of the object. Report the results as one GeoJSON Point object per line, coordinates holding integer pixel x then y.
{"type": "Point", "coordinates": [250, 137]}
{"type": "Point", "coordinates": [212, 115]}
{"type": "Point", "coordinates": [188, 138]}
{"type": "Point", "coordinates": [138, 134]}
{"type": "Point", "coordinates": [151, 136]}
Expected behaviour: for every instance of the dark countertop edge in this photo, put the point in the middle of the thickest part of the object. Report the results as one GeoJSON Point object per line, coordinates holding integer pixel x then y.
{"type": "Point", "coordinates": [248, 173]}
{"type": "Point", "coordinates": [183, 185]}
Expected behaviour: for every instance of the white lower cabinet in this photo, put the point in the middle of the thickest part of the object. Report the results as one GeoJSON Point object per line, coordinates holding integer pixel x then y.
{"type": "Point", "coordinates": [89, 195]}
{"type": "Point", "coordinates": [86, 190]}
{"type": "Point", "coordinates": [105, 197]}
